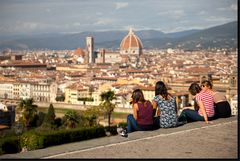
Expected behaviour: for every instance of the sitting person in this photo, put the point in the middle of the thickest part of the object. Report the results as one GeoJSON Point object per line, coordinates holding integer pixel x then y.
{"type": "Point", "coordinates": [221, 106]}
{"type": "Point", "coordinates": [166, 105]}
{"type": "Point", "coordinates": [205, 103]}
{"type": "Point", "coordinates": [142, 118]}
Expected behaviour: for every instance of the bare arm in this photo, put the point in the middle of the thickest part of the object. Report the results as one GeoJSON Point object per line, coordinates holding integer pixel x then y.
{"type": "Point", "coordinates": [202, 108]}
{"type": "Point", "coordinates": [135, 109]}
{"type": "Point", "coordinates": [176, 108]}
{"type": "Point", "coordinates": [156, 107]}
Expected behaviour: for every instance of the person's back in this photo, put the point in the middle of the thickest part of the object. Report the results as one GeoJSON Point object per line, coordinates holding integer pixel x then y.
{"type": "Point", "coordinates": [219, 97]}
{"type": "Point", "coordinates": [145, 113]}
{"type": "Point", "coordinates": [142, 116]}
{"type": "Point", "coordinates": [168, 114]}
{"type": "Point", "coordinates": [222, 107]}
{"type": "Point", "coordinates": [208, 102]}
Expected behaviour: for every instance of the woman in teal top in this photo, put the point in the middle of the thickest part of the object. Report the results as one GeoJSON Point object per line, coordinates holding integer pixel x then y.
{"type": "Point", "coordinates": [167, 107]}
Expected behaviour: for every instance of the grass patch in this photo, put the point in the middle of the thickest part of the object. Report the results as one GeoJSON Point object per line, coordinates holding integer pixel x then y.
{"type": "Point", "coordinates": [60, 112]}
{"type": "Point", "coordinates": [120, 115]}
{"type": "Point", "coordinates": [57, 110]}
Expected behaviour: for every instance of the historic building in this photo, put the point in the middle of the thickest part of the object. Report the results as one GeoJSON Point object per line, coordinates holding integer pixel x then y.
{"type": "Point", "coordinates": [79, 54]}
{"type": "Point", "coordinates": [130, 50]}
{"type": "Point", "coordinates": [104, 56]}
{"type": "Point", "coordinates": [90, 49]}
{"type": "Point", "coordinates": [131, 44]}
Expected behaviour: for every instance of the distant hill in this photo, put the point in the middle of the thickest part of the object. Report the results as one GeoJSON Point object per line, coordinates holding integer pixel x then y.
{"type": "Point", "coordinates": [218, 36]}
{"type": "Point", "coordinates": [225, 36]}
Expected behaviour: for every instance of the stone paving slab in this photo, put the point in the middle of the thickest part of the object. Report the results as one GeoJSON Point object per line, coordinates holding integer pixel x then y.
{"type": "Point", "coordinates": [192, 140]}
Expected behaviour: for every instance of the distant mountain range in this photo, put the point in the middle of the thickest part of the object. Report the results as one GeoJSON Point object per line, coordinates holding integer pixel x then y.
{"type": "Point", "coordinates": [222, 36]}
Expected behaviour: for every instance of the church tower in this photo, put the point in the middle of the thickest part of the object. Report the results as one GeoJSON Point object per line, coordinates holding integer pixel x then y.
{"type": "Point", "coordinates": [90, 49]}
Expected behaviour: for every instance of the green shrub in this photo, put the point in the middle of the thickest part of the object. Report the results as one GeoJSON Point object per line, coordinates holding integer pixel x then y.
{"type": "Point", "coordinates": [85, 99]}
{"type": "Point", "coordinates": [112, 130]}
{"type": "Point", "coordinates": [41, 139]}
{"type": "Point", "coordinates": [7, 132]}
{"type": "Point", "coordinates": [41, 116]}
{"type": "Point", "coordinates": [60, 98]}
{"type": "Point", "coordinates": [9, 145]}
{"type": "Point", "coordinates": [71, 119]}
{"type": "Point", "coordinates": [122, 124]}
{"type": "Point", "coordinates": [31, 140]}
{"type": "Point", "coordinates": [58, 122]}
{"type": "Point", "coordinates": [35, 139]}
{"type": "Point", "coordinates": [49, 119]}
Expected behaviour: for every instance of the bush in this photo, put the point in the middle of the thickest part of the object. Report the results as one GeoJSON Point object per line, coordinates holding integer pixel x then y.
{"type": "Point", "coordinates": [9, 145]}
{"type": "Point", "coordinates": [31, 140]}
{"type": "Point", "coordinates": [41, 116]}
{"type": "Point", "coordinates": [35, 139]}
{"type": "Point", "coordinates": [41, 139]}
{"type": "Point", "coordinates": [34, 121]}
{"type": "Point", "coordinates": [49, 119]}
{"type": "Point", "coordinates": [58, 122]}
{"type": "Point", "coordinates": [122, 124]}
{"type": "Point", "coordinates": [112, 130]}
{"type": "Point", "coordinates": [87, 99]}
{"type": "Point", "coordinates": [60, 98]}
{"type": "Point", "coordinates": [7, 132]}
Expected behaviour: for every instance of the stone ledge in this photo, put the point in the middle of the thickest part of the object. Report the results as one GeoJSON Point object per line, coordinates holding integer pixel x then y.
{"type": "Point", "coordinates": [88, 145]}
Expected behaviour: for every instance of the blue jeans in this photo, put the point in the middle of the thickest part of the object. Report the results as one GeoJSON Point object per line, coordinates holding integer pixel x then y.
{"type": "Point", "coordinates": [156, 122]}
{"type": "Point", "coordinates": [131, 124]}
{"type": "Point", "coordinates": [190, 116]}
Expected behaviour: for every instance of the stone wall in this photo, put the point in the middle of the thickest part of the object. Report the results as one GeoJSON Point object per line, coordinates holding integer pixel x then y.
{"type": "Point", "coordinates": [77, 107]}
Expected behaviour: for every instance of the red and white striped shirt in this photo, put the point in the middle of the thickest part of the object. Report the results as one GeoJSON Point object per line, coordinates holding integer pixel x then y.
{"type": "Point", "coordinates": [208, 103]}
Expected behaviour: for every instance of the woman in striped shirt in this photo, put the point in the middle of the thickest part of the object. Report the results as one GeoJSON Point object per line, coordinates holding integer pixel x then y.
{"type": "Point", "coordinates": [222, 107]}
{"type": "Point", "coordinates": [206, 106]}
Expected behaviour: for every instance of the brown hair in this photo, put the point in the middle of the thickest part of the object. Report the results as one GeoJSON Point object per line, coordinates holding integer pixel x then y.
{"type": "Point", "coordinates": [207, 83]}
{"type": "Point", "coordinates": [194, 88]}
{"type": "Point", "coordinates": [161, 89]}
{"type": "Point", "coordinates": [137, 96]}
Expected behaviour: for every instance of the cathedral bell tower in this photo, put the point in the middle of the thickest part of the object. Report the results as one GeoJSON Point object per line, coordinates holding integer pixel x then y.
{"type": "Point", "coordinates": [90, 49]}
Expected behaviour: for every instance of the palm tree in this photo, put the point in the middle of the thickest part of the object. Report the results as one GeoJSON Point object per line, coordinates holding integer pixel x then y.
{"type": "Point", "coordinates": [106, 106]}
{"type": "Point", "coordinates": [71, 119]}
{"type": "Point", "coordinates": [28, 109]}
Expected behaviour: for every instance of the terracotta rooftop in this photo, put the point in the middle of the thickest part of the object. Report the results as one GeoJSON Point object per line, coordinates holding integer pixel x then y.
{"type": "Point", "coordinates": [130, 41]}
{"type": "Point", "coordinates": [79, 52]}
{"type": "Point", "coordinates": [105, 78]}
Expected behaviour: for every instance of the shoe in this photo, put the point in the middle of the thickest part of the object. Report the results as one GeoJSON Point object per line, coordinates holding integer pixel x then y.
{"type": "Point", "coordinates": [119, 130]}
{"type": "Point", "coordinates": [179, 123]}
{"type": "Point", "coordinates": [124, 133]}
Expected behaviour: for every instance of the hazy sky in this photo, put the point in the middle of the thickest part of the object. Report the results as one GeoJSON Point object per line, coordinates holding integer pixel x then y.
{"type": "Point", "coordinates": [42, 16]}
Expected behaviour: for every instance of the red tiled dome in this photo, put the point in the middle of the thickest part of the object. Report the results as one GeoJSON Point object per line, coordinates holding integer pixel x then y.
{"type": "Point", "coordinates": [79, 52]}
{"type": "Point", "coordinates": [130, 41]}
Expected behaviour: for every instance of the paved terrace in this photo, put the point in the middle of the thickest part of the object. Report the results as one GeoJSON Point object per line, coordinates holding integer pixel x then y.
{"type": "Point", "coordinates": [192, 140]}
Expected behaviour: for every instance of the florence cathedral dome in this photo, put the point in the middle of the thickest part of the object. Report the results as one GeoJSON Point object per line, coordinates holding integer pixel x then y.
{"type": "Point", "coordinates": [131, 44]}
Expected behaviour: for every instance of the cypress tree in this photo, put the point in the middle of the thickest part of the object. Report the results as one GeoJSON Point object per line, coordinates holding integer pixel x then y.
{"type": "Point", "coordinates": [49, 119]}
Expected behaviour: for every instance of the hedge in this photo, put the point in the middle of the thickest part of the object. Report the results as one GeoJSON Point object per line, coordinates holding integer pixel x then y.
{"type": "Point", "coordinates": [10, 145]}
{"type": "Point", "coordinates": [35, 139]}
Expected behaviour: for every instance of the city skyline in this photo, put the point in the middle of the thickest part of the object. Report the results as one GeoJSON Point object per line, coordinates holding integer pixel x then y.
{"type": "Point", "coordinates": [34, 17]}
